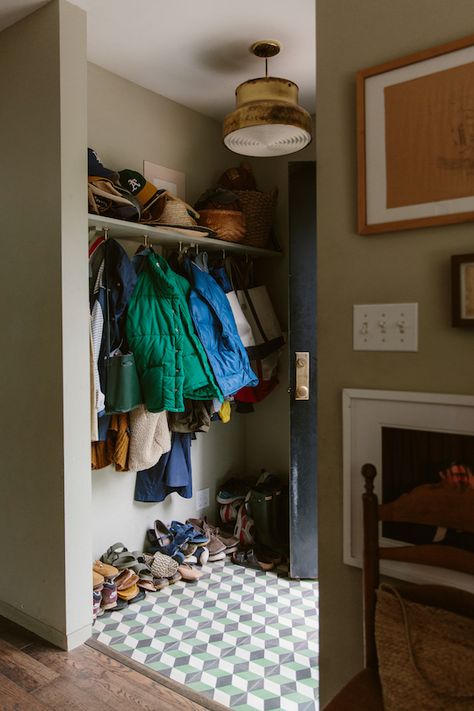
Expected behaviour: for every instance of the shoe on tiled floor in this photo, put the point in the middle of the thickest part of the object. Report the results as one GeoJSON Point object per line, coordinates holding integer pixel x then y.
{"type": "Point", "coordinates": [215, 545]}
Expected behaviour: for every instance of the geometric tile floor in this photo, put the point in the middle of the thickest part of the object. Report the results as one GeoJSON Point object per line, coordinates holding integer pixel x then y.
{"type": "Point", "coordinates": [244, 638]}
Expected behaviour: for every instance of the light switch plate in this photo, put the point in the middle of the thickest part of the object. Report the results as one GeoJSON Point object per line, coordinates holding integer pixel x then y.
{"type": "Point", "coordinates": [385, 327]}
{"type": "Point", "coordinates": [202, 499]}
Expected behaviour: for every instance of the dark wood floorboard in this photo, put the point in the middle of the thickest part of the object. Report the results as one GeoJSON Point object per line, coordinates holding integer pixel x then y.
{"type": "Point", "coordinates": [35, 676]}
{"type": "Point", "coordinates": [22, 669]}
{"type": "Point", "coordinates": [14, 698]}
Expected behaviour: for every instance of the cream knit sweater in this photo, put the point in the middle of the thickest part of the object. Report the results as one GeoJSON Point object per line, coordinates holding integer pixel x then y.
{"type": "Point", "coordinates": [149, 438]}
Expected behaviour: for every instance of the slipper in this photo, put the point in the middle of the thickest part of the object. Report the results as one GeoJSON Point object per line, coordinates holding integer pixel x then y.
{"type": "Point", "coordinates": [108, 571]}
{"type": "Point", "coordinates": [188, 573]}
{"type": "Point", "coordinates": [119, 605]}
{"type": "Point", "coordinates": [249, 559]}
{"type": "Point", "coordinates": [174, 578]}
{"type": "Point", "coordinates": [118, 556]}
{"type": "Point", "coordinates": [97, 579]}
{"type": "Point", "coordinates": [141, 567]}
{"type": "Point", "coordinates": [147, 585]}
{"type": "Point", "coordinates": [129, 593]}
{"type": "Point", "coordinates": [126, 579]}
{"type": "Point", "coordinates": [139, 596]}
{"type": "Point", "coordinates": [160, 583]}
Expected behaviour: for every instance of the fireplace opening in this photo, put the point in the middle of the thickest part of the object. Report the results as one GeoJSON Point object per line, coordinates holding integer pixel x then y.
{"type": "Point", "coordinates": [413, 457]}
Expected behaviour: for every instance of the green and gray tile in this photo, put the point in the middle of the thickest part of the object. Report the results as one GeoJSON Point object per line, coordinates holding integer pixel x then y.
{"type": "Point", "coordinates": [244, 638]}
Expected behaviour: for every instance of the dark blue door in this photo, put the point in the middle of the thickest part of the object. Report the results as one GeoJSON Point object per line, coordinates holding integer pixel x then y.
{"type": "Point", "coordinates": [302, 358]}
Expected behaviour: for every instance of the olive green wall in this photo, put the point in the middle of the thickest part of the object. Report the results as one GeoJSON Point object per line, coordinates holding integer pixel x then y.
{"type": "Point", "coordinates": [401, 267]}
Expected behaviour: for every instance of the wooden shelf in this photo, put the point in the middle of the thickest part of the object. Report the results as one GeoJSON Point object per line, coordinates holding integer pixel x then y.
{"type": "Point", "coordinates": [172, 236]}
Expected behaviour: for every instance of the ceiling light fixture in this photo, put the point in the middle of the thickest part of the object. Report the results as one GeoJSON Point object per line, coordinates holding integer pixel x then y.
{"type": "Point", "coordinates": [267, 120]}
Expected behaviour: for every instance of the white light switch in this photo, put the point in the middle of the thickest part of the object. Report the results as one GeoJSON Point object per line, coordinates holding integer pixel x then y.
{"type": "Point", "coordinates": [386, 327]}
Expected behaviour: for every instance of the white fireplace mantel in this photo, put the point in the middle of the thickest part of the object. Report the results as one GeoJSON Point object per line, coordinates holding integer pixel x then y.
{"type": "Point", "coordinates": [365, 412]}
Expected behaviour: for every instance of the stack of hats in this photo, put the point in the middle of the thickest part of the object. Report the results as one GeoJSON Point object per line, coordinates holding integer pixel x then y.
{"type": "Point", "coordinates": [128, 195]}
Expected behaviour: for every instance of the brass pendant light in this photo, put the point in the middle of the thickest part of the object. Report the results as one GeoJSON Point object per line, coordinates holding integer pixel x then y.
{"type": "Point", "coordinates": [267, 120]}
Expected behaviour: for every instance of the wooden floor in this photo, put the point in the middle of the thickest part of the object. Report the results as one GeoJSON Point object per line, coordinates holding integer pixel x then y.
{"type": "Point", "coordinates": [35, 676]}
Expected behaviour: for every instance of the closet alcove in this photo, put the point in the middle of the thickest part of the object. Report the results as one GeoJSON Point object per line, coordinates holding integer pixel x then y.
{"type": "Point", "coordinates": [150, 127]}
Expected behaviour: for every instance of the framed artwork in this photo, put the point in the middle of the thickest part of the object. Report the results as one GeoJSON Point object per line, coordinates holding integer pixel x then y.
{"type": "Point", "coordinates": [165, 178]}
{"type": "Point", "coordinates": [462, 289]}
{"type": "Point", "coordinates": [415, 140]}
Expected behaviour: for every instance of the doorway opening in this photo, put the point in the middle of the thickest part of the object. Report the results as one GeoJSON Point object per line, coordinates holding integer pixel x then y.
{"type": "Point", "coordinates": [241, 637]}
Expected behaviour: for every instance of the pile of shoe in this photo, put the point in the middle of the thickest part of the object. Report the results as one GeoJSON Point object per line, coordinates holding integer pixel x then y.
{"type": "Point", "coordinates": [104, 589]}
{"type": "Point", "coordinates": [122, 577]}
{"type": "Point", "coordinates": [220, 543]}
{"type": "Point", "coordinates": [258, 513]}
{"type": "Point", "coordinates": [194, 542]}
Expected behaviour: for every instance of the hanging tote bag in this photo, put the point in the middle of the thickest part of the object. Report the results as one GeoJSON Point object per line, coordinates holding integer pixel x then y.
{"type": "Point", "coordinates": [122, 393]}
{"type": "Point", "coordinates": [122, 386]}
{"type": "Point", "coordinates": [257, 309]}
{"type": "Point", "coordinates": [244, 329]}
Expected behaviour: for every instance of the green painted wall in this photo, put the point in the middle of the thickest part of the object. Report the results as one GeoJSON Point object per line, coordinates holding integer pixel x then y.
{"type": "Point", "coordinates": [400, 267]}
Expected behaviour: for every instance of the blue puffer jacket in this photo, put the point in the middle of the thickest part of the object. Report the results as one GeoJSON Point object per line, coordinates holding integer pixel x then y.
{"type": "Point", "coordinates": [215, 325]}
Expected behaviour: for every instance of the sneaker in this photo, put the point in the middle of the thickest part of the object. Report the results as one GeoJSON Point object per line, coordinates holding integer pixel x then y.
{"type": "Point", "coordinates": [216, 556]}
{"type": "Point", "coordinates": [228, 512]}
{"type": "Point", "coordinates": [109, 596]}
{"type": "Point", "coordinates": [96, 600]}
{"type": "Point", "coordinates": [232, 490]}
{"type": "Point", "coordinates": [202, 555]}
{"type": "Point", "coordinates": [244, 527]}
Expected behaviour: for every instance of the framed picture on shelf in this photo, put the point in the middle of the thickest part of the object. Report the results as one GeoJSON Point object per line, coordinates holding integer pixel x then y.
{"type": "Point", "coordinates": [415, 140]}
{"type": "Point", "coordinates": [165, 179]}
{"type": "Point", "coordinates": [462, 289]}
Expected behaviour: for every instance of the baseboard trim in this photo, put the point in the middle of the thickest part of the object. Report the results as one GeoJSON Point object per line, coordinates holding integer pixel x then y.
{"type": "Point", "coordinates": [51, 634]}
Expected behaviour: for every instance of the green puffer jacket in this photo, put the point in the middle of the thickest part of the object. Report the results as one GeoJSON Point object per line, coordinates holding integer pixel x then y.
{"type": "Point", "coordinates": [171, 362]}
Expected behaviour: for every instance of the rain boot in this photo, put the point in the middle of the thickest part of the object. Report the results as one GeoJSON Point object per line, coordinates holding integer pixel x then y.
{"type": "Point", "coordinates": [261, 503]}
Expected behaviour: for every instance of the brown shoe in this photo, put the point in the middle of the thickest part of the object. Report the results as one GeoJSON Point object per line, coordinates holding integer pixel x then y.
{"type": "Point", "coordinates": [215, 545]}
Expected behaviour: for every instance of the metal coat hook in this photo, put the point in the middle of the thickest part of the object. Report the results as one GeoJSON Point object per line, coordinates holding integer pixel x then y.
{"type": "Point", "coordinates": [180, 246]}
{"type": "Point", "coordinates": [223, 254]}
{"type": "Point", "coordinates": [106, 234]}
{"type": "Point", "coordinates": [145, 240]}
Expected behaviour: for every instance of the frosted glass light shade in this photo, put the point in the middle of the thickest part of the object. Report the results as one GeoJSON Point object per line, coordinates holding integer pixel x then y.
{"type": "Point", "coordinates": [266, 140]}
{"type": "Point", "coordinates": [267, 120]}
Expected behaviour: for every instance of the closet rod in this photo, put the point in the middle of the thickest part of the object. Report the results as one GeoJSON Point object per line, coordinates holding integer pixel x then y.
{"type": "Point", "coordinates": [172, 237]}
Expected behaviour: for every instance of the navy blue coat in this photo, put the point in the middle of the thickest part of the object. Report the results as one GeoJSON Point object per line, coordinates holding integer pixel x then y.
{"type": "Point", "coordinates": [217, 331]}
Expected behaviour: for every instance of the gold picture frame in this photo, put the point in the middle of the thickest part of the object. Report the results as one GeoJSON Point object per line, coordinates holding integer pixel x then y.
{"type": "Point", "coordinates": [415, 140]}
{"type": "Point", "coordinates": [462, 290]}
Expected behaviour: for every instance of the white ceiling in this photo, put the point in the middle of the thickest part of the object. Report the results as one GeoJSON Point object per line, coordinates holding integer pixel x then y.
{"type": "Point", "coordinates": [195, 53]}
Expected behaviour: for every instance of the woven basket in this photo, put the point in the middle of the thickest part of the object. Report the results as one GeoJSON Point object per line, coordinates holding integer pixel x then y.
{"type": "Point", "coordinates": [258, 209]}
{"type": "Point", "coordinates": [228, 225]}
{"type": "Point", "coordinates": [426, 655]}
